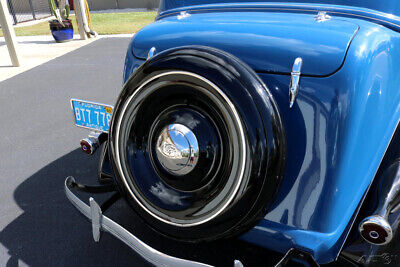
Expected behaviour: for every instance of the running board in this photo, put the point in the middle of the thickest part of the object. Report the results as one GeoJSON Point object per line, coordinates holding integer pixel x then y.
{"type": "Point", "coordinates": [103, 223]}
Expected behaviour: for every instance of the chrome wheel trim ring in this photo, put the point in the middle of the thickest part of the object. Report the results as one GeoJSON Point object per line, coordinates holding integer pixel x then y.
{"type": "Point", "coordinates": [241, 137]}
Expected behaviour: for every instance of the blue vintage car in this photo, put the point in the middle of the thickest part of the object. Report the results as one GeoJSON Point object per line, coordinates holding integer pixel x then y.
{"type": "Point", "coordinates": [272, 121]}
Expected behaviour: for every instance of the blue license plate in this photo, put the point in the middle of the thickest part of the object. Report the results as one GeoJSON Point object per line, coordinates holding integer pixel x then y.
{"type": "Point", "coordinates": [90, 115]}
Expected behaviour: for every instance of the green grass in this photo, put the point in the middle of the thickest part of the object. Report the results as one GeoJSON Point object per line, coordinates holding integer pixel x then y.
{"type": "Point", "coordinates": [109, 23]}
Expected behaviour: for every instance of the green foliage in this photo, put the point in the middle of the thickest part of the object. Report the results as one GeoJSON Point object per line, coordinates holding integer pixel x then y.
{"type": "Point", "coordinates": [60, 9]}
{"type": "Point", "coordinates": [107, 23]}
{"type": "Point", "coordinates": [66, 11]}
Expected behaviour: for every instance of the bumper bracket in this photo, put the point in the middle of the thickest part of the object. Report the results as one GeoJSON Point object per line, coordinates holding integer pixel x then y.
{"type": "Point", "coordinates": [103, 223]}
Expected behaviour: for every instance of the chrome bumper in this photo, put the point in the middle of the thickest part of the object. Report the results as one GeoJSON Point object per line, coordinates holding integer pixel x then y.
{"type": "Point", "coordinates": [103, 223]}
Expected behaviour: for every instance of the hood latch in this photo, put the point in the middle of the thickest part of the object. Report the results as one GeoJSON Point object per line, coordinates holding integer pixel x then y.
{"type": "Point", "coordinates": [294, 81]}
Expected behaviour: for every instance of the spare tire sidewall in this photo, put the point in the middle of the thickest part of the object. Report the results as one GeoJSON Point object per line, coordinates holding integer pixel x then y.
{"type": "Point", "coordinates": [265, 145]}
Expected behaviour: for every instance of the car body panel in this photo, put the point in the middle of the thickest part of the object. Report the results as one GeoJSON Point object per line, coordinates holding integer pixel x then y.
{"type": "Point", "coordinates": [389, 7]}
{"type": "Point", "coordinates": [349, 119]}
{"type": "Point", "coordinates": [272, 49]}
{"type": "Point", "coordinates": [389, 18]}
{"type": "Point", "coordinates": [337, 133]}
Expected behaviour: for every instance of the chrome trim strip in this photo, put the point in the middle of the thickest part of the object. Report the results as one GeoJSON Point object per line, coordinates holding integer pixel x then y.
{"type": "Point", "coordinates": [294, 81]}
{"type": "Point", "coordinates": [283, 7]}
{"type": "Point", "coordinates": [151, 53]}
{"type": "Point", "coordinates": [89, 102]}
{"type": "Point", "coordinates": [241, 137]}
{"type": "Point", "coordinates": [101, 222]}
{"type": "Point", "coordinates": [291, 8]}
{"type": "Point", "coordinates": [397, 208]}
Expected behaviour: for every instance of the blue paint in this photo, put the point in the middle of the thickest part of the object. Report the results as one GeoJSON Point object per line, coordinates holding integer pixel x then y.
{"type": "Point", "coordinates": [131, 62]}
{"type": "Point", "coordinates": [383, 16]}
{"type": "Point", "coordinates": [337, 137]}
{"type": "Point", "coordinates": [62, 35]}
{"type": "Point", "coordinates": [272, 49]}
{"type": "Point", "coordinates": [390, 7]}
{"type": "Point", "coordinates": [339, 128]}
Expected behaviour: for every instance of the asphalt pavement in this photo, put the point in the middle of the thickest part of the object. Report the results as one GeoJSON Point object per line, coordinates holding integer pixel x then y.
{"type": "Point", "coordinates": [34, 51]}
{"type": "Point", "coordinates": [39, 148]}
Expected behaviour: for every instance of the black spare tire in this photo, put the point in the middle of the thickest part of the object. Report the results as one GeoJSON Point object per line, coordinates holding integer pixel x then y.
{"type": "Point", "coordinates": [197, 144]}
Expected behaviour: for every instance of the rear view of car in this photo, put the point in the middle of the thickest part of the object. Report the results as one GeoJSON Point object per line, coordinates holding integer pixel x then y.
{"type": "Point", "coordinates": [269, 121]}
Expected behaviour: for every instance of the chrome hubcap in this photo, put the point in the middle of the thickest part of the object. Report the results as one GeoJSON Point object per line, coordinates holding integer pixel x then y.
{"type": "Point", "coordinates": [177, 149]}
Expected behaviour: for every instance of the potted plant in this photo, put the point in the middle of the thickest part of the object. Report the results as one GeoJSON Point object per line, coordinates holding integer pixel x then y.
{"type": "Point", "coordinates": [61, 28]}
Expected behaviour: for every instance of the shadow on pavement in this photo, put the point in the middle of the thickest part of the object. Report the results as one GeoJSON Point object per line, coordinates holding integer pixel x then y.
{"type": "Point", "coordinates": [51, 232]}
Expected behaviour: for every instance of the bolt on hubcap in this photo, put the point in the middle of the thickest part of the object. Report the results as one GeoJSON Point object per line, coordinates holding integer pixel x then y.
{"type": "Point", "coordinates": [177, 149]}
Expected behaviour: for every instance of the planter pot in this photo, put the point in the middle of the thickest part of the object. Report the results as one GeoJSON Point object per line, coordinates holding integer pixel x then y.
{"type": "Point", "coordinates": [62, 33]}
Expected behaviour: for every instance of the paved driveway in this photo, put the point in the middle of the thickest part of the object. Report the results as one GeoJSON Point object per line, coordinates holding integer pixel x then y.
{"type": "Point", "coordinates": [39, 148]}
